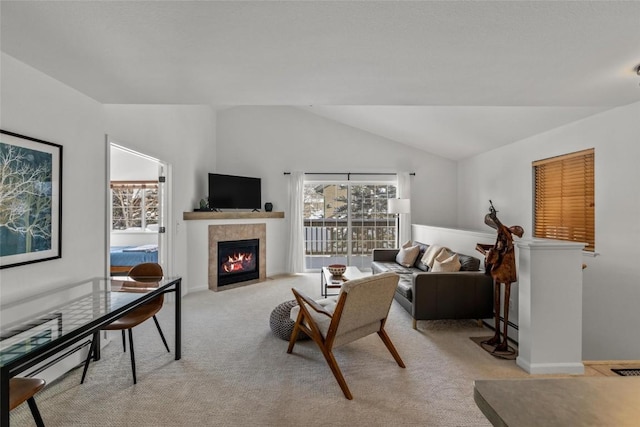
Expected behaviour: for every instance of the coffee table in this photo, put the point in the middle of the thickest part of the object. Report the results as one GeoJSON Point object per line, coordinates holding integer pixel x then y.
{"type": "Point", "coordinates": [329, 281]}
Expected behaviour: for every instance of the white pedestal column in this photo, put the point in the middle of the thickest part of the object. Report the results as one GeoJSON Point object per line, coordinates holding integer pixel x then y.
{"type": "Point", "coordinates": [550, 306]}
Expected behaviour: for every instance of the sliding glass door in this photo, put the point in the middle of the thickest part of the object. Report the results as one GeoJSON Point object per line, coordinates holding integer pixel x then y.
{"type": "Point", "coordinates": [345, 221]}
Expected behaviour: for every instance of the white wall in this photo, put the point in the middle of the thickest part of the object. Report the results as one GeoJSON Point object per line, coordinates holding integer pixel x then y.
{"type": "Point", "coordinates": [265, 142]}
{"type": "Point", "coordinates": [126, 166]}
{"type": "Point", "coordinates": [611, 289]}
{"type": "Point", "coordinates": [184, 137]}
{"type": "Point", "coordinates": [34, 104]}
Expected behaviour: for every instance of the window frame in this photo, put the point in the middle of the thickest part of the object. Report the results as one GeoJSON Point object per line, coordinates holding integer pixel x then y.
{"type": "Point", "coordinates": [351, 220]}
{"type": "Point", "coordinates": [143, 186]}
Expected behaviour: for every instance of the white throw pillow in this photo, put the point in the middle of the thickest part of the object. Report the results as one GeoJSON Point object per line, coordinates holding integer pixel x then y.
{"type": "Point", "coordinates": [432, 253]}
{"type": "Point", "coordinates": [446, 262]}
{"type": "Point", "coordinates": [407, 255]}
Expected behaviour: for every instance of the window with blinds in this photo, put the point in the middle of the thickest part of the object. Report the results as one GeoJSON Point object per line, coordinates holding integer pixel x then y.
{"type": "Point", "coordinates": [564, 202]}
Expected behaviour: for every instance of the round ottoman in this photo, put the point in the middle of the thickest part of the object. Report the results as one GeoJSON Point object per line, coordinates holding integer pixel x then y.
{"type": "Point", "coordinates": [280, 322]}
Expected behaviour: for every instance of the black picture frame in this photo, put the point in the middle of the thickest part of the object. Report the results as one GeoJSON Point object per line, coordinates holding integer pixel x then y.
{"type": "Point", "coordinates": [31, 209]}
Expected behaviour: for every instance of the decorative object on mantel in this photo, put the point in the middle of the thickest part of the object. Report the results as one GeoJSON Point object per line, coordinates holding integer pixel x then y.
{"type": "Point", "coordinates": [204, 206]}
{"type": "Point", "coordinates": [31, 194]}
{"type": "Point", "coordinates": [500, 263]}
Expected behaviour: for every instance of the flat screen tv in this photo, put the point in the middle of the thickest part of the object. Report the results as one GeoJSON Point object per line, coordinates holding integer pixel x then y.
{"type": "Point", "coordinates": [234, 192]}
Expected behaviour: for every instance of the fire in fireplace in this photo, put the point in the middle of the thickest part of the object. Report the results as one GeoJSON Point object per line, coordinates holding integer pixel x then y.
{"type": "Point", "coordinates": [238, 261]}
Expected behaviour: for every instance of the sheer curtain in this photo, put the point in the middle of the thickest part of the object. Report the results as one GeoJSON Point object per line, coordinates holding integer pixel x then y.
{"type": "Point", "coordinates": [295, 260]}
{"type": "Point", "coordinates": [404, 192]}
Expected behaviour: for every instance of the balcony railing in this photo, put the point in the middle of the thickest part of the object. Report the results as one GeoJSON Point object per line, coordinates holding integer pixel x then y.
{"type": "Point", "coordinates": [331, 237]}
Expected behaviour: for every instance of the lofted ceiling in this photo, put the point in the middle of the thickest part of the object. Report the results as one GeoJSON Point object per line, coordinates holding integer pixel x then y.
{"type": "Point", "coordinates": [454, 78]}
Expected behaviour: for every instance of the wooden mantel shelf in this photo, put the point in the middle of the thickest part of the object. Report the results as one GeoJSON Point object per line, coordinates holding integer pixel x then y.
{"type": "Point", "coordinates": [187, 216]}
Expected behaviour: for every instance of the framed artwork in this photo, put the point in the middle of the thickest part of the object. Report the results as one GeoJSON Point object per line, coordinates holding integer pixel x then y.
{"type": "Point", "coordinates": [31, 195]}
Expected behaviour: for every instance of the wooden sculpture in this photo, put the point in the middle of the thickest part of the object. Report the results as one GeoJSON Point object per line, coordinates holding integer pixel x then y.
{"type": "Point", "coordinates": [500, 263]}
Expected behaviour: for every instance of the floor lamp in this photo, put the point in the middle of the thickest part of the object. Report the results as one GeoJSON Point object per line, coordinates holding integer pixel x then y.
{"type": "Point", "coordinates": [398, 207]}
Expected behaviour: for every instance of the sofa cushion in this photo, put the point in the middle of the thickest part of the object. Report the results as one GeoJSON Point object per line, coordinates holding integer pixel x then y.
{"type": "Point", "coordinates": [468, 263]}
{"type": "Point", "coordinates": [404, 288]}
{"type": "Point", "coordinates": [407, 255]}
{"type": "Point", "coordinates": [384, 266]}
{"type": "Point", "coordinates": [446, 262]}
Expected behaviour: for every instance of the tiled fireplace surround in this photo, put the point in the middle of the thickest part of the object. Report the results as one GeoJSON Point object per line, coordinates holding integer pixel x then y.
{"type": "Point", "coordinates": [221, 233]}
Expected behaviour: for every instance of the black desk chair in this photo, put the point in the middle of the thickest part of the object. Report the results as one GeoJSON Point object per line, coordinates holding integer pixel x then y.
{"type": "Point", "coordinates": [21, 389]}
{"type": "Point", "coordinates": [149, 272]}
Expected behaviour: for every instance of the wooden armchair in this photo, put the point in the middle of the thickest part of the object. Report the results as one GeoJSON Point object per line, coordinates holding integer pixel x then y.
{"type": "Point", "coordinates": [360, 309]}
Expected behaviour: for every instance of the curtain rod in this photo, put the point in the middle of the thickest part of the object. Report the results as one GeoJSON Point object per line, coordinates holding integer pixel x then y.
{"type": "Point", "coordinates": [351, 173]}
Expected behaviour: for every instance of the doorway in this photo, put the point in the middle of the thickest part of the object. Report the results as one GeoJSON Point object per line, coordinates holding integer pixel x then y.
{"type": "Point", "coordinates": [138, 210]}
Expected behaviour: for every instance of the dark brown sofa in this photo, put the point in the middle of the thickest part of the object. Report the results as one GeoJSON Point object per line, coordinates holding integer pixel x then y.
{"type": "Point", "coordinates": [465, 294]}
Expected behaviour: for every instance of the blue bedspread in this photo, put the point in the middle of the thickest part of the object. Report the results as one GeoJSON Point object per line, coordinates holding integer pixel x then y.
{"type": "Point", "coordinates": [132, 255]}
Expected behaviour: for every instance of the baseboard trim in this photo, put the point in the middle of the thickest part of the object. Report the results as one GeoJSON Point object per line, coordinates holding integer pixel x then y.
{"type": "Point", "coordinates": [574, 368]}
{"type": "Point", "coordinates": [611, 362]}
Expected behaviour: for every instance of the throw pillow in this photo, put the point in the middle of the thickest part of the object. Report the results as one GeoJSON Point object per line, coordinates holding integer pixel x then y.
{"type": "Point", "coordinates": [431, 253]}
{"type": "Point", "coordinates": [407, 256]}
{"type": "Point", "coordinates": [446, 262]}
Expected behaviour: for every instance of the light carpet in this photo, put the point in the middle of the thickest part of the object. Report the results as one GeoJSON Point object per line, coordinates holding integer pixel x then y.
{"type": "Point", "coordinates": [235, 372]}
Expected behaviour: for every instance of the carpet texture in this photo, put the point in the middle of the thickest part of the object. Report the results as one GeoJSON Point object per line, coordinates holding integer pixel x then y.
{"type": "Point", "coordinates": [235, 372]}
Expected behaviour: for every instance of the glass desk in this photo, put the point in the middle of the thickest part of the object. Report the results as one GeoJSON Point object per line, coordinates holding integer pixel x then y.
{"type": "Point", "coordinates": [36, 328]}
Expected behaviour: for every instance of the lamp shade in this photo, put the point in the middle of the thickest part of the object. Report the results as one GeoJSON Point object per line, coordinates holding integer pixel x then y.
{"type": "Point", "coordinates": [399, 206]}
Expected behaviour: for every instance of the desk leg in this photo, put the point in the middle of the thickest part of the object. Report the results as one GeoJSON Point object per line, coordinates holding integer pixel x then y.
{"type": "Point", "coordinates": [4, 397]}
{"type": "Point", "coordinates": [96, 354]}
{"type": "Point", "coordinates": [178, 319]}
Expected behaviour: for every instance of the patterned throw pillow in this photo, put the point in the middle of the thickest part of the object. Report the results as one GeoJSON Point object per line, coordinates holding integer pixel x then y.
{"type": "Point", "coordinates": [407, 254]}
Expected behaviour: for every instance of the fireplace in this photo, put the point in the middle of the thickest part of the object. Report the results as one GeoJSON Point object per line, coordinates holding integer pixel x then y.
{"type": "Point", "coordinates": [219, 255]}
{"type": "Point", "coordinates": [238, 261]}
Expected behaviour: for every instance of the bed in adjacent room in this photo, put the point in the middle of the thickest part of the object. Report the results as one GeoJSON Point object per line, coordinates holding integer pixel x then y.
{"type": "Point", "coordinates": [125, 257]}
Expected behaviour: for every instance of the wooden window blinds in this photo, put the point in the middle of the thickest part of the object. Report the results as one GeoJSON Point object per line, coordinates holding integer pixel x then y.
{"type": "Point", "coordinates": [564, 202]}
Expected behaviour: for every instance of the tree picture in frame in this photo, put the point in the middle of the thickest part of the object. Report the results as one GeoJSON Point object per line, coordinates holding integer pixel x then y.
{"type": "Point", "coordinates": [30, 200]}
